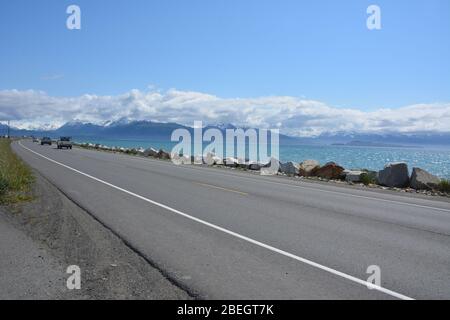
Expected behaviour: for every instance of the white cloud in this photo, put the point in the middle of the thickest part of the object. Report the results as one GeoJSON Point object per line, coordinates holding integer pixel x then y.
{"type": "Point", "coordinates": [50, 77]}
{"type": "Point", "coordinates": [295, 116]}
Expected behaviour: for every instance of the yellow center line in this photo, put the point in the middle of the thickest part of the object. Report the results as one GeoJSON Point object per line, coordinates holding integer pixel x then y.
{"type": "Point", "coordinates": [220, 188]}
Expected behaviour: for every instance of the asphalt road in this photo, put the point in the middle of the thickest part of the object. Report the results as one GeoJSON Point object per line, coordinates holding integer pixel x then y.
{"type": "Point", "coordinates": [226, 234]}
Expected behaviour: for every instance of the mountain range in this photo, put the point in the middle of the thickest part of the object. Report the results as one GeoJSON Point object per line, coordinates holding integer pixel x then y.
{"type": "Point", "coordinates": [162, 132]}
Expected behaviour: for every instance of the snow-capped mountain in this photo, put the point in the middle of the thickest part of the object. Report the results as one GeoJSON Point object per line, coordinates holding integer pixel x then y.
{"type": "Point", "coordinates": [125, 128]}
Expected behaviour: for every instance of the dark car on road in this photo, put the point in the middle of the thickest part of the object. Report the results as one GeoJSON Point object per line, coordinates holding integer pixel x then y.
{"type": "Point", "coordinates": [46, 140]}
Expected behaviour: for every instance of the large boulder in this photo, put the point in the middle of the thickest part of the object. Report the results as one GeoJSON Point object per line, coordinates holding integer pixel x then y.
{"type": "Point", "coordinates": [423, 180]}
{"type": "Point", "coordinates": [254, 166]}
{"type": "Point", "coordinates": [242, 163]}
{"type": "Point", "coordinates": [150, 152]}
{"type": "Point", "coordinates": [163, 155]}
{"type": "Point", "coordinates": [307, 167]}
{"type": "Point", "coordinates": [289, 168]}
{"type": "Point", "coordinates": [197, 160]}
{"type": "Point", "coordinates": [180, 159]}
{"type": "Point", "coordinates": [394, 175]}
{"type": "Point", "coordinates": [246, 164]}
{"type": "Point", "coordinates": [271, 168]}
{"type": "Point", "coordinates": [212, 159]}
{"type": "Point", "coordinates": [353, 175]}
{"type": "Point", "coordinates": [231, 162]}
{"type": "Point", "coordinates": [330, 170]}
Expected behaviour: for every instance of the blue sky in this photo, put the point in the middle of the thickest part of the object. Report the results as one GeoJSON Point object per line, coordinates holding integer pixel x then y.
{"type": "Point", "coordinates": [316, 50]}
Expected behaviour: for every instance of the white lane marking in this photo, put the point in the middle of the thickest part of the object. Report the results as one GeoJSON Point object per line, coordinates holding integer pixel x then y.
{"type": "Point", "coordinates": [234, 234]}
{"type": "Point", "coordinates": [307, 188]}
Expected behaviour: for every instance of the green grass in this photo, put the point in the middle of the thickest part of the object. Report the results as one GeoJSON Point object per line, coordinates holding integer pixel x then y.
{"type": "Point", "coordinates": [132, 151]}
{"type": "Point", "coordinates": [444, 186]}
{"type": "Point", "coordinates": [15, 176]}
{"type": "Point", "coordinates": [368, 178]}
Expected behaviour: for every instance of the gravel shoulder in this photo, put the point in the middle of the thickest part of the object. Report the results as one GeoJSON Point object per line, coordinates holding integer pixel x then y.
{"type": "Point", "coordinates": [28, 271]}
{"type": "Point", "coordinates": [41, 238]}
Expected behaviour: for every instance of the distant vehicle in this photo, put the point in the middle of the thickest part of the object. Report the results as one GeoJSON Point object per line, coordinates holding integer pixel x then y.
{"type": "Point", "coordinates": [64, 142]}
{"type": "Point", "coordinates": [46, 140]}
{"type": "Point", "coordinates": [35, 139]}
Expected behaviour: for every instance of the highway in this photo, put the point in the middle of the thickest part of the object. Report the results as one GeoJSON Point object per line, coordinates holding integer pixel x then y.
{"type": "Point", "coordinates": [226, 234]}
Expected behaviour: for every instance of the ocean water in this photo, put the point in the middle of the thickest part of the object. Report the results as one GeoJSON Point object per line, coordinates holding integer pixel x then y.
{"type": "Point", "coordinates": [434, 159]}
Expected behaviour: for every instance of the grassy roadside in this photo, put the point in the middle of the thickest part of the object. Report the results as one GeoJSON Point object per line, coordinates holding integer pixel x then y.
{"type": "Point", "coordinates": [444, 186]}
{"type": "Point", "coordinates": [15, 176]}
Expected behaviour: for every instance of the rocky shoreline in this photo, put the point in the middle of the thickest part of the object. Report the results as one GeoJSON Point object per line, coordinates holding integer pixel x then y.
{"type": "Point", "coordinates": [394, 176]}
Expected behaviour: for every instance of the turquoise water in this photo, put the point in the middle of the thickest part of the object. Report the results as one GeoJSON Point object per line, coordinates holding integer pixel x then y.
{"type": "Point", "coordinates": [434, 160]}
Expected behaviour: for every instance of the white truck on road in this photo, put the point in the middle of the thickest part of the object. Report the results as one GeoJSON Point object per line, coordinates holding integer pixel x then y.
{"type": "Point", "coordinates": [64, 142]}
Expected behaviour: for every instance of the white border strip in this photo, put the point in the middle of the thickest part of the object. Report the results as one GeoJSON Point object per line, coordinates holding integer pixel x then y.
{"type": "Point", "coordinates": [234, 234]}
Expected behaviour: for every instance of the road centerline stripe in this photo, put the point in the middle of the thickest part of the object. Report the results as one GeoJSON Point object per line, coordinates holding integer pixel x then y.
{"type": "Point", "coordinates": [221, 188]}
{"type": "Point", "coordinates": [232, 233]}
{"type": "Point", "coordinates": [253, 179]}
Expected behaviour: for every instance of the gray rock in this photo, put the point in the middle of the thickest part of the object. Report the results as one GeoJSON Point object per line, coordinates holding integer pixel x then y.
{"type": "Point", "coordinates": [254, 166]}
{"type": "Point", "coordinates": [163, 155]}
{"type": "Point", "coordinates": [197, 160]}
{"type": "Point", "coordinates": [246, 165]}
{"type": "Point", "coordinates": [307, 167]}
{"type": "Point", "coordinates": [289, 168]}
{"type": "Point", "coordinates": [271, 168]}
{"type": "Point", "coordinates": [150, 152]}
{"type": "Point", "coordinates": [241, 163]}
{"type": "Point", "coordinates": [180, 159]}
{"type": "Point", "coordinates": [231, 162]}
{"type": "Point", "coordinates": [353, 176]}
{"type": "Point", "coordinates": [212, 159]}
{"type": "Point", "coordinates": [423, 180]}
{"type": "Point", "coordinates": [394, 175]}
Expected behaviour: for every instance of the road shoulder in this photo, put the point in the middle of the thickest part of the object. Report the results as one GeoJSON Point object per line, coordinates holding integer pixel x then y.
{"type": "Point", "coordinates": [45, 236]}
